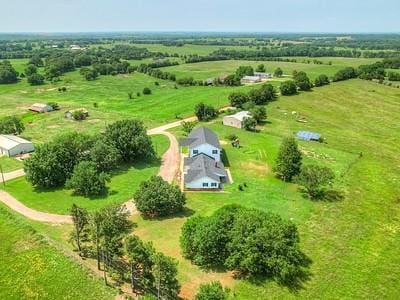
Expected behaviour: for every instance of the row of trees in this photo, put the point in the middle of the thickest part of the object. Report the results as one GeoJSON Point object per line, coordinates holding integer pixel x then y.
{"type": "Point", "coordinates": [106, 232]}
{"type": "Point", "coordinates": [265, 94]}
{"type": "Point", "coordinates": [82, 162]}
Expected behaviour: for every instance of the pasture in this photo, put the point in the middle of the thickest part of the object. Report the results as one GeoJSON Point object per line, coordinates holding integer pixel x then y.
{"type": "Point", "coordinates": [31, 268]}
{"type": "Point", "coordinates": [211, 69]}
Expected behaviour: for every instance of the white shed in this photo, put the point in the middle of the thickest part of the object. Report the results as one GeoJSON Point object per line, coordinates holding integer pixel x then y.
{"type": "Point", "coordinates": [250, 79]}
{"type": "Point", "coordinates": [41, 108]}
{"type": "Point", "coordinates": [11, 145]}
{"type": "Point", "coordinates": [236, 120]}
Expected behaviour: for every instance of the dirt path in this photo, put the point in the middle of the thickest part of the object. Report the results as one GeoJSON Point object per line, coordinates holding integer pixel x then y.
{"type": "Point", "coordinates": [14, 204]}
{"type": "Point", "coordinates": [168, 170]}
{"type": "Point", "coordinates": [13, 174]}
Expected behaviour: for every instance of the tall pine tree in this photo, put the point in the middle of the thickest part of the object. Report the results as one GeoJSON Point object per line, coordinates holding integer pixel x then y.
{"type": "Point", "coordinates": [288, 162]}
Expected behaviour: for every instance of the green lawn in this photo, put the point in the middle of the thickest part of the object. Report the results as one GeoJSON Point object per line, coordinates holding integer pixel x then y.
{"type": "Point", "coordinates": [30, 268]}
{"type": "Point", "coordinates": [124, 183]}
{"type": "Point", "coordinates": [9, 164]}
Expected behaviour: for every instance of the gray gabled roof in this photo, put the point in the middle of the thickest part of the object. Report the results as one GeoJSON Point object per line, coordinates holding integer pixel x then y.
{"type": "Point", "coordinates": [8, 141]}
{"type": "Point", "coordinates": [203, 166]}
{"type": "Point", "coordinates": [199, 136]}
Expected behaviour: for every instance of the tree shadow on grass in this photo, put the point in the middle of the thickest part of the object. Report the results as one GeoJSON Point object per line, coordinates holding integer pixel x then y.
{"type": "Point", "coordinates": [225, 159]}
{"type": "Point", "coordinates": [294, 283]}
{"type": "Point", "coordinates": [328, 195]}
{"type": "Point", "coordinates": [184, 213]}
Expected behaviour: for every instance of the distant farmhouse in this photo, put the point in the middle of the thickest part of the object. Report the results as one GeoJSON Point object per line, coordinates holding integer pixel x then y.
{"type": "Point", "coordinates": [11, 145]}
{"type": "Point", "coordinates": [75, 47]}
{"type": "Point", "coordinates": [41, 108]}
{"type": "Point", "coordinates": [250, 79]}
{"type": "Point", "coordinates": [263, 75]}
{"type": "Point", "coordinates": [237, 119]}
{"type": "Point", "coordinates": [203, 169]}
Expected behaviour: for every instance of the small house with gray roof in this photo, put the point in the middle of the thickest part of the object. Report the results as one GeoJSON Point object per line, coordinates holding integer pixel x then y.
{"type": "Point", "coordinates": [203, 168]}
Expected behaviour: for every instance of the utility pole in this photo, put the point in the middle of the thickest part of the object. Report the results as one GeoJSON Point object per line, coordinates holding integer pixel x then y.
{"type": "Point", "coordinates": [2, 176]}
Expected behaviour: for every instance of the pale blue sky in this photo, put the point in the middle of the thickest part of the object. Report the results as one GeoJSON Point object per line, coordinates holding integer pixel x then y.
{"type": "Point", "coordinates": [200, 15]}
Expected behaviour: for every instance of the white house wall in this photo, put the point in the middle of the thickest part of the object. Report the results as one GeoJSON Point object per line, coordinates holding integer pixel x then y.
{"type": "Point", "coordinates": [198, 184]}
{"type": "Point", "coordinates": [229, 121]}
{"type": "Point", "coordinates": [206, 149]}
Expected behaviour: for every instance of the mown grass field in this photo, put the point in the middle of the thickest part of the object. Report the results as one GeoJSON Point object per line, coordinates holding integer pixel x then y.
{"type": "Point", "coordinates": [9, 164]}
{"type": "Point", "coordinates": [212, 69]}
{"type": "Point", "coordinates": [30, 268]}
{"type": "Point", "coordinates": [124, 182]}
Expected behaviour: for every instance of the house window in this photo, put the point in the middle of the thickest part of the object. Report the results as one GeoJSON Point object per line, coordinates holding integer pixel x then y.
{"type": "Point", "coordinates": [213, 184]}
{"type": "Point", "coordinates": [205, 184]}
{"type": "Point", "coordinates": [195, 151]}
{"type": "Point", "coordinates": [215, 152]}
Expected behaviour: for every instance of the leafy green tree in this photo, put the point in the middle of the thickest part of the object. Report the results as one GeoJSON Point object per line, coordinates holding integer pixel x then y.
{"type": "Point", "coordinates": [35, 79]}
{"type": "Point", "coordinates": [130, 138]}
{"type": "Point", "coordinates": [11, 125]}
{"type": "Point", "coordinates": [104, 156]}
{"type": "Point", "coordinates": [156, 197]}
{"type": "Point", "coordinates": [30, 69]}
{"type": "Point", "coordinates": [188, 126]}
{"type": "Point", "coordinates": [165, 271]}
{"type": "Point", "coordinates": [315, 178]}
{"type": "Point", "coordinates": [53, 105]}
{"type": "Point", "coordinates": [266, 94]}
{"type": "Point", "coordinates": [345, 74]}
{"type": "Point", "coordinates": [278, 72]}
{"type": "Point", "coordinates": [261, 68]}
{"type": "Point", "coordinates": [259, 113]}
{"type": "Point", "coordinates": [237, 99]}
{"type": "Point", "coordinates": [88, 73]}
{"type": "Point", "coordinates": [80, 235]}
{"type": "Point", "coordinates": [205, 112]}
{"type": "Point", "coordinates": [140, 255]}
{"type": "Point", "coordinates": [109, 226]}
{"type": "Point", "coordinates": [249, 124]}
{"type": "Point", "coordinates": [7, 73]}
{"type": "Point", "coordinates": [232, 80]}
{"type": "Point", "coordinates": [247, 241]}
{"type": "Point", "coordinates": [36, 61]}
{"type": "Point", "coordinates": [212, 291]}
{"type": "Point", "coordinates": [288, 88]}
{"type": "Point", "coordinates": [146, 91]}
{"type": "Point", "coordinates": [288, 162]}
{"type": "Point", "coordinates": [244, 71]}
{"type": "Point", "coordinates": [52, 163]}
{"type": "Point", "coordinates": [87, 181]}
{"type": "Point", "coordinates": [302, 81]}
{"type": "Point", "coordinates": [321, 80]}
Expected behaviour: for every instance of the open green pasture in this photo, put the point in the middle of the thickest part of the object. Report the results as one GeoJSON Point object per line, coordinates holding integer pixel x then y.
{"type": "Point", "coordinates": [9, 164]}
{"type": "Point", "coordinates": [110, 93]}
{"type": "Point", "coordinates": [30, 268]}
{"type": "Point", "coordinates": [352, 240]}
{"type": "Point", "coordinates": [211, 69]}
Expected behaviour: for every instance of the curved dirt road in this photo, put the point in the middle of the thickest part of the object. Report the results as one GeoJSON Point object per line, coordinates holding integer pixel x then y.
{"type": "Point", "coordinates": [168, 170]}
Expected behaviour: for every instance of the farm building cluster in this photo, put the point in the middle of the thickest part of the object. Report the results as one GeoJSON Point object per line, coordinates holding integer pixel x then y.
{"type": "Point", "coordinates": [236, 120]}
{"type": "Point", "coordinates": [203, 168]}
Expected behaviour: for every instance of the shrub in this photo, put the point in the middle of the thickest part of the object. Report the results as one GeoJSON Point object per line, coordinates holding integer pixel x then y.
{"type": "Point", "coordinates": [146, 91]}
{"type": "Point", "coordinates": [237, 99]}
{"type": "Point", "coordinates": [250, 124]}
{"type": "Point", "coordinates": [321, 80]}
{"type": "Point", "coordinates": [212, 291]}
{"type": "Point", "coordinates": [104, 156]}
{"type": "Point", "coordinates": [156, 197]}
